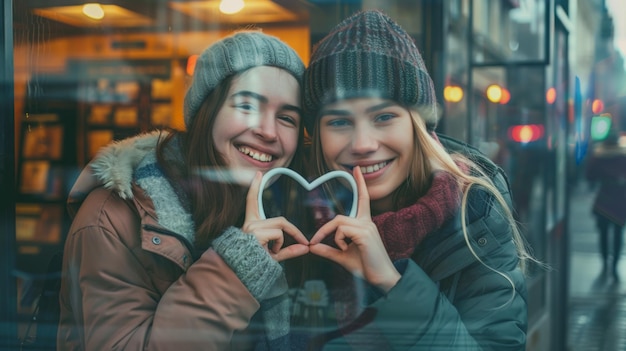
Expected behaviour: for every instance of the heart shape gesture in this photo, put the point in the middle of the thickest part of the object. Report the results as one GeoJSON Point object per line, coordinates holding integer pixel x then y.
{"type": "Point", "coordinates": [308, 186]}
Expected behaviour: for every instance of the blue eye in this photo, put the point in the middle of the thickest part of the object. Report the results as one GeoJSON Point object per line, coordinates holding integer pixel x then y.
{"type": "Point", "coordinates": [384, 117]}
{"type": "Point", "coordinates": [245, 106]}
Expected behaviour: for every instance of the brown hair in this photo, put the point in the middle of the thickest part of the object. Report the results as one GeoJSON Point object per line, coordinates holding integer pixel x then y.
{"type": "Point", "coordinates": [213, 206]}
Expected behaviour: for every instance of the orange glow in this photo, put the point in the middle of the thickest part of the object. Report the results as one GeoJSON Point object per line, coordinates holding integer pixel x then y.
{"type": "Point", "coordinates": [191, 64]}
{"type": "Point", "coordinates": [453, 93]}
{"type": "Point", "coordinates": [494, 93]}
{"type": "Point", "coordinates": [551, 96]}
{"type": "Point", "coordinates": [506, 96]}
{"type": "Point", "coordinates": [597, 106]}
{"type": "Point", "coordinates": [526, 133]}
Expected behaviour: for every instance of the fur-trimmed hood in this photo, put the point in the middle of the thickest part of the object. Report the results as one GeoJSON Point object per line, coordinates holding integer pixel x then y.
{"type": "Point", "coordinates": [133, 160]}
{"type": "Point", "coordinates": [113, 166]}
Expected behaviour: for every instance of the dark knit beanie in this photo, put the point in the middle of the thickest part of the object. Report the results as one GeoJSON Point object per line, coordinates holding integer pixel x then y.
{"type": "Point", "coordinates": [368, 55]}
{"type": "Point", "coordinates": [234, 54]}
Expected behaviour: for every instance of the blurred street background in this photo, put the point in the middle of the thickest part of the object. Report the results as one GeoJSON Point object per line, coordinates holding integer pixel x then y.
{"type": "Point", "coordinates": [597, 315]}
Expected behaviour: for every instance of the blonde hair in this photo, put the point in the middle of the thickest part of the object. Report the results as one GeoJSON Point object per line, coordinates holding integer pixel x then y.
{"type": "Point", "coordinates": [440, 159]}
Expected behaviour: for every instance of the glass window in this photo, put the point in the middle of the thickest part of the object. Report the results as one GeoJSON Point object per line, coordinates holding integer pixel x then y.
{"type": "Point", "coordinates": [510, 31]}
{"type": "Point", "coordinates": [87, 75]}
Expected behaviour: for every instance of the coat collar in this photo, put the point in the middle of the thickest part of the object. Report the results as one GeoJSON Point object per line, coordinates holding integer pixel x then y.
{"type": "Point", "coordinates": [446, 251]}
{"type": "Point", "coordinates": [133, 161]}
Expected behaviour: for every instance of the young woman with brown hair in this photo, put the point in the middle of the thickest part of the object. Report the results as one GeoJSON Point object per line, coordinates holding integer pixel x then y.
{"type": "Point", "coordinates": [166, 256]}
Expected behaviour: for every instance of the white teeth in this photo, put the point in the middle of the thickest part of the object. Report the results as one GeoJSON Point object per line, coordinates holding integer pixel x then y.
{"type": "Point", "coordinates": [373, 168]}
{"type": "Point", "coordinates": [255, 155]}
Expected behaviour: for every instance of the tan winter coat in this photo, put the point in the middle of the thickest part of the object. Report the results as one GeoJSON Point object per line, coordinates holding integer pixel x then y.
{"type": "Point", "coordinates": [130, 282]}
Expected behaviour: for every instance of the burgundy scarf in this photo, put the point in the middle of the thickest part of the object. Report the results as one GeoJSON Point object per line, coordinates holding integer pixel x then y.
{"type": "Point", "coordinates": [403, 230]}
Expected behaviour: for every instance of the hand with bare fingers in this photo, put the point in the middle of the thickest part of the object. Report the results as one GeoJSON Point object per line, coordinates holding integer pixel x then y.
{"type": "Point", "coordinates": [360, 248]}
{"type": "Point", "coordinates": [271, 232]}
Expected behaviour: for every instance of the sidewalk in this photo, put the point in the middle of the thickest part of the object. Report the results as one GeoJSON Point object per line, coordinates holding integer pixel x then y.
{"type": "Point", "coordinates": [597, 319]}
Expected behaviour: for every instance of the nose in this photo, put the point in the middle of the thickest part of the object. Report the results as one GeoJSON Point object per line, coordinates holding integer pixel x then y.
{"type": "Point", "coordinates": [266, 128]}
{"type": "Point", "coordinates": [363, 140]}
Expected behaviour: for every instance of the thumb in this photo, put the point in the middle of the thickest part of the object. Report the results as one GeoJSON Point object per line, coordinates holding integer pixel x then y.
{"type": "Point", "coordinates": [363, 209]}
{"type": "Point", "coordinates": [252, 203]}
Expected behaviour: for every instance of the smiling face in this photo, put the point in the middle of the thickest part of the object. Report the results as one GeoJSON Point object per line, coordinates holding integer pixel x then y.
{"type": "Point", "coordinates": [374, 134]}
{"type": "Point", "coordinates": [257, 128]}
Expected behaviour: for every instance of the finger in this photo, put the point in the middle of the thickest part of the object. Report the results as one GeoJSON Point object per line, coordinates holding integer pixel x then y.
{"type": "Point", "coordinates": [334, 226]}
{"type": "Point", "coordinates": [349, 262]}
{"type": "Point", "coordinates": [277, 244]}
{"type": "Point", "coordinates": [252, 204]}
{"type": "Point", "coordinates": [340, 238]}
{"type": "Point", "coordinates": [328, 252]}
{"type": "Point", "coordinates": [325, 230]}
{"type": "Point", "coordinates": [285, 226]}
{"type": "Point", "coordinates": [293, 231]}
{"type": "Point", "coordinates": [291, 251]}
{"type": "Point", "coordinates": [265, 236]}
{"type": "Point", "coordinates": [363, 209]}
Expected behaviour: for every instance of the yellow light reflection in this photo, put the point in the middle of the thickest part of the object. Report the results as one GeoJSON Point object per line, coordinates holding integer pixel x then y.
{"type": "Point", "coordinates": [494, 93]}
{"type": "Point", "coordinates": [230, 7]}
{"type": "Point", "coordinates": [453, 93]}
{"type": "Point", "coordinates": [94, 11]}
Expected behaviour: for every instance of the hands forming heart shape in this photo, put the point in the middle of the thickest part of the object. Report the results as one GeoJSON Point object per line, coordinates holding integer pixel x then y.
{"type": "Point", "coordinates": [359, 247]}
{"type": "Point", "coordinates": [308, 186]}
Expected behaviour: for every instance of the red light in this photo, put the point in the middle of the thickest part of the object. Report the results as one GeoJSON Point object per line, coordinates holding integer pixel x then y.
{"type": "Point", "coordinates": [191, 64]}
{"type": "Point", "coordinates": [526, 133]}
{"type": "Point", "coordinates": [506, 96]}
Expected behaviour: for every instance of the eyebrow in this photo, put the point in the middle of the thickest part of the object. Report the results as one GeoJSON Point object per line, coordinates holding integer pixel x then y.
{"type": "Point", "coordinates": [380, 106]}
{"type": "Point", "coordinates": [264, 100]}
{"type": "Point", "coordinates": [368, 110]}
{"type": "Point", "coordinates": [251, 94]}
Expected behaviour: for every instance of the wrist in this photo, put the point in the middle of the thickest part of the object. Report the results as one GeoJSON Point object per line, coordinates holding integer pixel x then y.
{"type": "Point", "coordinates": [390, 282]}
{"type": "Point", "coordinates": [252, 264]}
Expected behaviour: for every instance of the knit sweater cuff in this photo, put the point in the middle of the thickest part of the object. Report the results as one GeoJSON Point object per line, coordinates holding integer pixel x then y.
{"type": "Point", "coordinates": [256, 269]}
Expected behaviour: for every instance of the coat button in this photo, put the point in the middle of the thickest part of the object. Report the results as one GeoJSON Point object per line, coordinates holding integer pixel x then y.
{"type": "Point", "coordinates": [482, 241]}
{"type": "Point", "coordinates": [156, 240]}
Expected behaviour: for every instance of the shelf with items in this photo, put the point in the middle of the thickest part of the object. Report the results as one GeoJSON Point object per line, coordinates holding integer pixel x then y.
{"type": "Point", "coordinates": [46, 156]}
{"type": "Point", "coordinates": [104, 118]}
{"type": "Point", "coordinates": [46, 165]}
{"type": "Point", "coordinates": [42, 160]}
{"type": "Point", "coordinates": [118, 99]}
{"type": "Point", "coordinates": [161, 102]}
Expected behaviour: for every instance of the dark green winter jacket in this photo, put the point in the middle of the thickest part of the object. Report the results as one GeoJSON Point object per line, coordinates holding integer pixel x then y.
{"type": "Point", "coordinates": [447, 299]}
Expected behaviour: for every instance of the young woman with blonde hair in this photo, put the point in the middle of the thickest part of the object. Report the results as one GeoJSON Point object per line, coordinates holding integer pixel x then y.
{"type": "Point", "coordinates": [434, 259]}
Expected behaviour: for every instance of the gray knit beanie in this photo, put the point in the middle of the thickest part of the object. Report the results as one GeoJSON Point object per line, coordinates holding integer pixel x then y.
{"type": "Point", "coordinates": [368, 55]}
{"type": "Point", "coordinates": [234, 54]}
